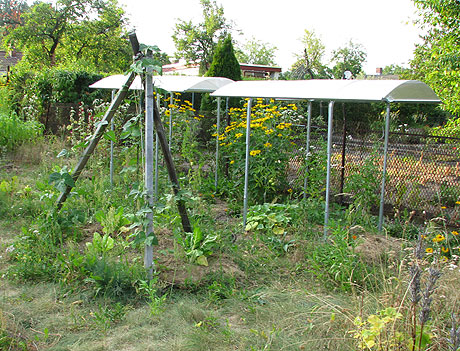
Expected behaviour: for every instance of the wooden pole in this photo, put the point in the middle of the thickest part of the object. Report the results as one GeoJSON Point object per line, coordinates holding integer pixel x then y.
{"type": "Point", "coordinates": [171, 169]}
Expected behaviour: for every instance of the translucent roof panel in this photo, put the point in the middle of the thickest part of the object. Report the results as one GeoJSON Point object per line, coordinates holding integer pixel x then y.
{"type": "Point", "coordinates": [115, 82]}
{"type": "Point", "coordinates": [333, 90]}
{"type": "Point", "coordinates": [180, 84]}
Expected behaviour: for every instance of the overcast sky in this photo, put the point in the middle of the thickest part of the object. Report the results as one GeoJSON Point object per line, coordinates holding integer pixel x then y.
{"type": "Point", "coordinates": [384, 28]}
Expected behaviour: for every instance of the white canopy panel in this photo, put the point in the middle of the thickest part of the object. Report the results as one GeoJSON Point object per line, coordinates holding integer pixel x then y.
{"type": "Point", "coordinates": [180, 84]}
{"type": "Point", "coordinates": [115, 82]}
{"type": "Point", "coordinates": [333, 90]}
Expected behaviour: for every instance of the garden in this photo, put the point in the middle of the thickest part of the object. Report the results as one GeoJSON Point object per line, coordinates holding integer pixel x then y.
{"type": "Point", "coordinates": [74, 278]}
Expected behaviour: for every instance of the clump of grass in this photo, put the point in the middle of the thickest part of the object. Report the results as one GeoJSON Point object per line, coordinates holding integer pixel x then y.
{"type": "Point", "coordinates": [14, 131]}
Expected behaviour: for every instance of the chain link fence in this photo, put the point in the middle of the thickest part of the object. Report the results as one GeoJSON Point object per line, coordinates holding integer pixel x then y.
{"type": "Point", "coordinates": [423, 171]}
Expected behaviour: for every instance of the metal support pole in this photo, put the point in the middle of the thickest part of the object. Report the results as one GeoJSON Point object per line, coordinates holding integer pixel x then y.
{"type": "Point", "coordinates": [171, 102]}
{"type": "Point", "coordinates": [384, 172]}
{"type": "Point", "coordinates": [148, 175]}
{"type": "Point", "coordinates": [155, 198]}
{"type": "Point", "coordinates": [307, 147]}
{"type": "Point", "coordinates": [344, 150]}
{"type": "Point", "coordinates": [217, 144]}
{"type": "Point", "coordinates": [246, 166]}
{"type": "Point", "coordinates": [193, 100]}
{"type": "Point", "coordinates": [328, 176]}
{"type": "Point", "coordinates": [111, 144]}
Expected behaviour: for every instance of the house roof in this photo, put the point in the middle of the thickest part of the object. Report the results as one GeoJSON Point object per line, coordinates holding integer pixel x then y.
{"type": "Point", "coordinates": [9, 59]}
{"type": "Point", "coordinates": [333, 90]}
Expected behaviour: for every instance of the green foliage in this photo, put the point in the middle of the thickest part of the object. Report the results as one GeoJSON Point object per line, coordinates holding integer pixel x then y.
{"type": "Point", "coordinates": [363, 185]}
{"type": "Point", "coordinates": [270, 218]}
{"type": "Point", "coordinates": [149, 289]}
{"type": "Point", "coordinates": [337, 264]}
{"type": "Point", "coordinates": [113, 220]}
{"type": "Point", "coordinates": [224, 62]}
{"type": "Point", "coordinates": [348, 58]}
{"type": "Point", "coordinates": [34, 92]}
{"type": "Point", "coordinates": [61, 179]}
{"type": "Point", "coordinates": [270, 222]}
{"type": "Point", "coordinates": [256, 52]}
{"type": "Point", "coordinates": [100, 244]}
{"type": "Point", "coordinates": [436, 60]}
{"type": "Point", "coordinates": [197, 42]}
{"type": "Point", "coordinates": [309, 64]}
{"type": "Point", "coordinates": [14, 131]}
{"type": "Point", "coordinates": [271, 145]}
{"type": "Point", "coordinates": [197, 245]}
{"type": "Point", "coordinates": [377, 333]}
{"type": "Point", "coordinates": [107, 315]}
{"type": "Point", "coordinates": [86, 32]}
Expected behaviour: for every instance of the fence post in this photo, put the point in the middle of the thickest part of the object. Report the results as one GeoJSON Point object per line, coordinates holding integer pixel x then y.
{"type": "Point", "coordinates": [246, 166]}
{"type": "Point", "coordinates": [307, 147]}
{"type": "Point", "coordinates": [385, 159]}
{"type": "Point", "coordinates": [328, 176]}
{"type": "Point", "coordinates": [148, 175]}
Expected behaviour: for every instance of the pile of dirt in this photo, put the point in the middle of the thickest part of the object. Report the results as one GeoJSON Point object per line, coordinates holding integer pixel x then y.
{"type": "Point", "coordinates": [373, 247]}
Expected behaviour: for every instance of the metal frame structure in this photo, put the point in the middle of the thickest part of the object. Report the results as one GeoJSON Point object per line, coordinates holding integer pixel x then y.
{"type": "Point", "coordinates": [331, 91]}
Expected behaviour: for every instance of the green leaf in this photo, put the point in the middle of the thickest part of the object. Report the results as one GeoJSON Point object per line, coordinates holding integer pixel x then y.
{"type": "Point", "coordinates": [202, 260]}
{"type": "Point", "coordinates": [110, 136]}
{"type": "Point", "coordinates": [54, 177]}
{"type": "Point", "coordinates": [278, 230]}
{"type": "Point", "coordinates": [151, 240]}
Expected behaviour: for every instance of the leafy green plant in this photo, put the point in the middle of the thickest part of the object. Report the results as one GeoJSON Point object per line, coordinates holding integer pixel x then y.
{"type": "Point", "coordinates": [113, 220]}
{"type": "Point", "coordinates": [197, 245]}
{"type": "Point", "coordinates": [14, 131]}
{"type": "Point", "coordinates": [270, 218]}
{"type": "Point", "coordinates": [61, 178]}
{"type": "Point", "coordinates": [377, 332]}
{"type": "Point", "coordinates": [271, 145]}
{"type": "Point", "coordinates": [100, 244]}
{"type": "Point", "coordinates": [150, 290]}
{"type": "Point", "coordinates": [337, 264]}
{"type": "Point", "coordinates": [105, 316]}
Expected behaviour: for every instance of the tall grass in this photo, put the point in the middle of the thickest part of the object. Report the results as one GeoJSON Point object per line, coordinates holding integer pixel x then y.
{"type": "Point", "coordinates": [14, 132]}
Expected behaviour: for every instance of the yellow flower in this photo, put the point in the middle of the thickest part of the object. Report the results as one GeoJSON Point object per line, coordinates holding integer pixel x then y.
{"type": "Point", "coordinates": [444, 249]}
{"type": "Point", "coordinates": [429, 250]}
{"type": "Point", "coordinates": [454, 232]}
{"type": "Point", "coordinates": [269, 131]}
{"type": "Point", "coordinates": [457, 202]}
{"type": "Point", "coordinates": [255, 152]}
{"type": "Point", "coordinates": [232, 162]}
{"type": "Point", "coordinates": [443, 207]}
{"type": "Point", "coordinates": [290, 190]}
{"type": "Point", "coordinates": [267, 144]}
{"type": "Point", "coordinates": [438, 238]}
{"type": "Point", "coordinates": [238, 135]}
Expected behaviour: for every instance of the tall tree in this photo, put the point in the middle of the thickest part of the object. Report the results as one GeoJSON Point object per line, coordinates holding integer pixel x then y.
{"type": "Point", "coordinates": [197, 42]}
{"type": "Point", "coordinates": [309, 64]}
{"type": "Point", "coordinates": [71, 30]}
{"type": "Point", "coordinates": [348, 58]}
{"type": "Point", "coordinates": [257, 52]}
{"type": "Point", "coordinates": [10, 14]}
{"type": "Point", "coordinates": [437, 60]}
{"type": "Point", "coordinates": [224, 62]}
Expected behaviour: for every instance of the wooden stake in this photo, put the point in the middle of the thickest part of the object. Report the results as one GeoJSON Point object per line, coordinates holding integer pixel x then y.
{"type": "Point", "coordinates": [171, 169]}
